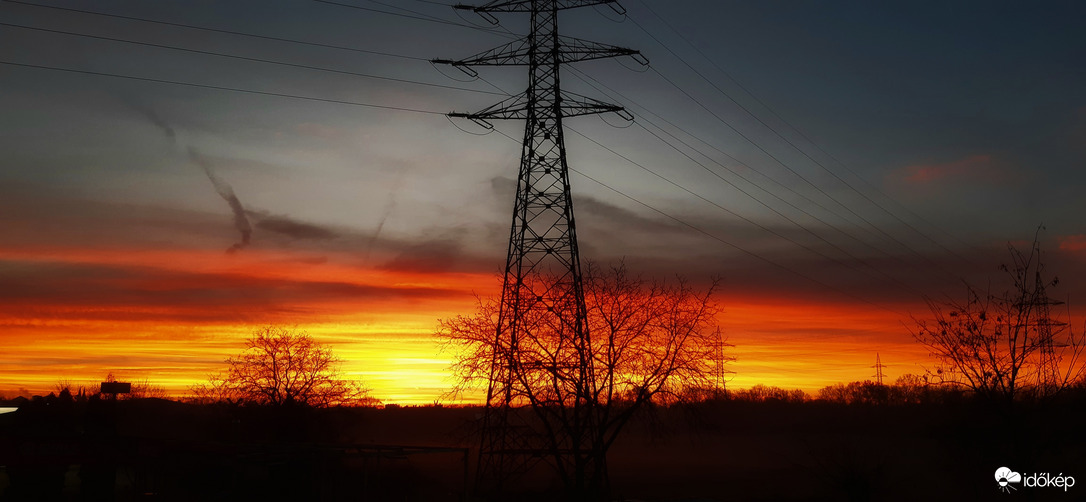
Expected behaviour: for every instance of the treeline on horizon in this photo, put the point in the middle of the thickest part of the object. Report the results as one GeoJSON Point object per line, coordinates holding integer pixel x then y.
{"type": "Point", "coordinates": [908, 389]}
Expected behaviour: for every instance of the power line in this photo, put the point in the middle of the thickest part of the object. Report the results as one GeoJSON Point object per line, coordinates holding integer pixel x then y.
{"type": "Point", "coordinates": [794, 146]}
{"type": "Point", "coordinates": [413, 15]}
{"type": "Point", "coordinates": [247, 58]}
{"type": "Point", "coordinates": [584, 76]}
{"type": "Point", "coordinates": [643, 167]}
{"type": "Point", "coordinates": [223, 88]}
{"type": "Point", "coordinates": [793, 171]}
{"type": "Point", "coordinates": [217, 30]}
{"type": "Point", "coordinates": [397, 7]}
{"type": "Point", "coordinates": [419, 17]}
{"type": "Point", "coordinates": [789, 219]}
{"type": "Point", "coordinates": [714, 236]}
{"type": "Point", "coordinates": [774, 157]}
{"type": "Point", "coordinates": [797, 130]}
{"type": "Point", "coordinates": [705, 142]}
{"type": "Point", "coordinates": [761, 148]}
{"type": "Point", "coordinates": [863, 262]}
{"type": "Point", "coordinates": [737, 215]}
{"type": "Point", "coordinates": [733, 128]}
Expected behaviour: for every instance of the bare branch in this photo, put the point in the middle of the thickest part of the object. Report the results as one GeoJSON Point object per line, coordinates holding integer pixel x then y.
{"type": "Point", "coordinates": [283, 367]}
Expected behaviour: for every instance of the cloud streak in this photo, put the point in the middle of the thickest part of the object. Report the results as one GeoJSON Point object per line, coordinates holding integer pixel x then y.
{"type": "Point", "coordinates": [157, 120]}
{"type": "Point", "coordinates": [292, 228]}
{"type": "Point", "coordinates": [390, 206]}
{"type": "Point", "coordinates": [241, 221]}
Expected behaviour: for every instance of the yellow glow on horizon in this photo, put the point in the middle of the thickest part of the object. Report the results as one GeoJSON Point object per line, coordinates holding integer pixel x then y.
{"type": "Point", "coordinates": [384, 338]}
{"type": "Point", "coordinates": [400, 362]}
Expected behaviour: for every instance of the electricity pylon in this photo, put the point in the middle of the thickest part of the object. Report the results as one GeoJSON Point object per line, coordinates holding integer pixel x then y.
{"type": "Point", "coordinates": [543, 237]}
{"type": "Point", "coordinates": [1039, 305]}
{"type": "Point", "coordinates": [878, 369]}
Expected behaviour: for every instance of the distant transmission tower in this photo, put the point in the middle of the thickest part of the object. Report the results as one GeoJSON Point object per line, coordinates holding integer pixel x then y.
{"type": "Point", "coordinates": [1039, 305]}
{"type": "Point", "coordinates": [878, 369]}
{"type": "Point", "coordinates": [1048, 366]}
{"type": "Point", "coordinates": [543, 238]}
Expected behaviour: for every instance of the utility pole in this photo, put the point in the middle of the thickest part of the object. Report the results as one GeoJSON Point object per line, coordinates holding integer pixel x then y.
{"type": "Point", "coordinates": [878, 369]}
{"type": "Point", "coordinates": [542, 278]}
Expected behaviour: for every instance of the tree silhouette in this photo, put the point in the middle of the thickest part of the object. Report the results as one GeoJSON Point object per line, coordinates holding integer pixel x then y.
{"type": "Point", "coordinates": [144, 389]}
{"type": "Point", "coordinates": [1001, 345]}
{"type": "Point", "coordinates": [762, 393]}
{"type": "Point", "coordinates": [282, 367]}
{"type": "Point", "coordinates": [650, 342]}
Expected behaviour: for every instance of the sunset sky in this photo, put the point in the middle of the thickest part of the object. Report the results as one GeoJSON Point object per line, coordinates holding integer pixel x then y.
{"type": "Point", "coordinates": [833, 162]}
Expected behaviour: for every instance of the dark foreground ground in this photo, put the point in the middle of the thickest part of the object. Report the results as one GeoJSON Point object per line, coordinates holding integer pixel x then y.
{"type": "Point", "coordinates": [723, 451]}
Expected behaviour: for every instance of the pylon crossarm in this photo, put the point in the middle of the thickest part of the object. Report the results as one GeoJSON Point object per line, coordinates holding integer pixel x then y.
{"type": "Point", "coordinates": [526, 5]}
{"type": "Point", "coordinates": [513, 53]}
{"type": "Point", "coordinates": [574, 105]}
{"type": "Point", "coordinates": [518, 52]}
{"type": "Point", "coordinates": [516, 107]}
{"type": "Point", "coordinates": [485, 15]}
{"type": "Point", "coordinates": [575, 49]}
{"type": "Point", "coordinates": [480, 122]}
{"type": "Point", "coordinates": [458, 65]}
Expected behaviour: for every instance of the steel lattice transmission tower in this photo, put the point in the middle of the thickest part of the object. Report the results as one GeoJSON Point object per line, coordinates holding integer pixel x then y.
{"type": "Point", "coordinates": [1048, 367]}
{"type": "Point", "coordinates": [1046, 328]}
{"type": "Point", "coordinates": [543, 236]}
{"type": "Point", "coordinates": [878, 369]}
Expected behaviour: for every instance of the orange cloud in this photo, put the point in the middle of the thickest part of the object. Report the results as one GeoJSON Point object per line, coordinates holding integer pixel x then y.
{"type": "Point", "coordinates": [806, 345]}
{"type": "Point", "coordinates": [975, 167]}
{"type": "Point", "coordinates": [1073, 243]}
{"type": "Point", "coordinates": [172, 316]}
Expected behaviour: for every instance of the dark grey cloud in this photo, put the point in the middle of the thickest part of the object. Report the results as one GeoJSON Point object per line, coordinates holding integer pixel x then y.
{"type": "Point", "coordinates": [77, 222]}
{"type": "Point", "coordinates": [595, 210]}
{"type": "Point", "coordinates": [98, 224]}
{"type": "Point", "coordinates": [64, 290]}
{"type": "Point", "coordinates": [436, 255]}
{"type": "Point", "coordinates": [241, 221]}
{"type": "Point", "coordinates": [285, 225]}
{"type": "Point", "coordinates": [503, 187]}
{"type": "Point", "coordinates": [154, 118]}
{"type": "Point", "coordinates": [587, 207]}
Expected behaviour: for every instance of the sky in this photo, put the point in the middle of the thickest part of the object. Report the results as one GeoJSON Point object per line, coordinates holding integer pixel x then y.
{"type": "Point", "coordinates": [165, 190]}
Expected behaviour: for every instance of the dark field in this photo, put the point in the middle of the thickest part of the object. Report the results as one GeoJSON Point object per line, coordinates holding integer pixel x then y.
{"type": "Point", "coordinates": [720, 451]}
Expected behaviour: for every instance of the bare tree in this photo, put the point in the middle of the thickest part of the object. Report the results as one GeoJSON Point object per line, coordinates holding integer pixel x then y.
{"type": "Point", "coordinates": [906, 390]}
{"type": "Point", "coordinates": [650, 341]}
{"type": "Point", "coordinates": [283, 367]}
{"type": "Point", "coordinates": [144, 389]}
{"type": "Point", "coordinates": [763, 393]}
{"type": "Point", "coordinates": [1001, 345]}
